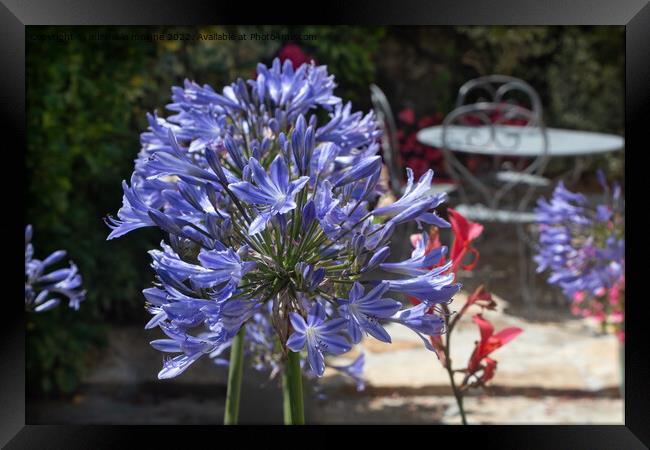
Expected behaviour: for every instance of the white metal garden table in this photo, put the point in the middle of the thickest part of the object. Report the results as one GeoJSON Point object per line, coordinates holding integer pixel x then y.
{"type": "Point", "coordinates": [561, 143]}
{"type": "Point", "coordinates": [508, 140]}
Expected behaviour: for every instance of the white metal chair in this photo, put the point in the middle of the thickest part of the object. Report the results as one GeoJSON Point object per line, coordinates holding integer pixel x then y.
{"type": "Point", "coordinates": [503, 194]}
{"type": "Point", "coordinates": [390, 145]}
{"type": "Point", "coordinates": [490, 191]}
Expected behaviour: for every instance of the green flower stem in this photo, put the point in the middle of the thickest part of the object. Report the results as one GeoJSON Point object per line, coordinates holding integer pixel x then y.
{"type": "Point", "coordinates": [457, 394]}
{"type": "Point", "coordinates": [447, 350]}
{"type": "Point", "coordinates": [294, 413]}
{"type": "Point", "coordinates": [286, 399]}
{"type": "Point", "coordinates": [234, 379]}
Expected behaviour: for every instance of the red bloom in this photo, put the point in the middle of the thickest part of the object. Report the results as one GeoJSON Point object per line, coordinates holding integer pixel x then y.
{"type": "Point", "coordinates": [295, 54]}
{"type": "Point", "coordinates": [433, 154]}
{"type": "Point", "coordinates": [488, 371]}
{"type": "Point", "coordinates": [480, 297]}
{"type": "Point", "coordinates": [472, 119]}
{"type": "Point", "coordinates": [428, 121]}
{"type": "Point", "coordinates": [407, 115]}
{"type": "Point", "coordinates": [465, 232]}
{"type": "Point", "coordinates": [410, 143]}
{"type": "Point", "coordinates": [473, 163]}
{"type": "Point", "coordinates": [489, 341]}
{"type": "Point", "coordinates": [517, 122]}
{"type": "Point", "coordinates": [418, 165]}
{"type": "Point", "coordinates": [418, 150]}
{"type": "Point", "coordinates": [444, 180]}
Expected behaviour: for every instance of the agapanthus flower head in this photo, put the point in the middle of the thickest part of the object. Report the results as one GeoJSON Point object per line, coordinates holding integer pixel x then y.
{"type": "Point", "coordinates": [271, 225]}
{"type": "Point", "coordinates": [44, 290]}
{"type": "Point", "coordinates": [582, 245]}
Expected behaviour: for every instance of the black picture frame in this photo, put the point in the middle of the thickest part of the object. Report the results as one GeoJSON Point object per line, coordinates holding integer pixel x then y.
{"type": "Point", "coordinates": [633, 14]}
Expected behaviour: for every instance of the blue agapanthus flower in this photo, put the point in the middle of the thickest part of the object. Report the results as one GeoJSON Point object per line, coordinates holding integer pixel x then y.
{"type": "Point", "coordinates": [44, 290]}
{"type": "Point", "coordinates": [318, 335]}
{"type": "Point", "coordinates": [267, 192]}
{"type": "Point", "coordinates": [582, 245]}
{"type": "Point", "coordinates": [362, 312]}
{"type": "Point", "coordinates": [354, 370]}
{"type": "Point", "coordinates": [273, 195]}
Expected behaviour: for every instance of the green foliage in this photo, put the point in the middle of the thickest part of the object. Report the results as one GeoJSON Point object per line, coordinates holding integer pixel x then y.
{"type": "Point", "coordinates": [577, 70]}
{"type": "Point", "coordinates": [60, 345]}
{"type": "Point", "coordinates": [349, 53]}
{"type": "Point", "coordinates": [81, 140]}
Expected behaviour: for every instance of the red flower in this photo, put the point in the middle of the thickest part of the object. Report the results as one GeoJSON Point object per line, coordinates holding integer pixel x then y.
{"type": "Point", "coordinates": [465, 232]}
{"type": "Point", "coordinates": [488, 371]}
{"type": "Point", "coordinates": [428, 121]}
{"type": "Point", "coordinates": [480, 297]}
{"type": "Point", "coordinates": [472, 119]}
{"type": "Point", "coordinates": [517, 122]}
{"type": "Point", "coordinates": [433, 154]}
{"type": "Point", "coordinates": [489, 341]}
{"type": "Point", "coordinates": [410, 143]}
{"type": "Point", "coordinates": [473, 163]}
{"type": "Point", "coordinates": [418, 165]}
{"type": "Point", "coordinates": [407, 115]}
{"type": "Point", "coordinates": [295, 54]}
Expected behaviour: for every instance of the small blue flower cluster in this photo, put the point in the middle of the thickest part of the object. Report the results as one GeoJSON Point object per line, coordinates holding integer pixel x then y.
{"type": "Point", "coordinates": [266, 191]}
{"type": "Point", "coordinates": [43, 291]}
{"type": "Point", "coordinates": [582, 245]}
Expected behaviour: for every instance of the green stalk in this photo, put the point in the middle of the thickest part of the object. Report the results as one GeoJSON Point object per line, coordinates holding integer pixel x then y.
{"type": "Point", "coordinates": [234, 379]}
{"type": "Point", "coordinates": [447, 350]}
{"type": "Point", "coordinates": [294, 413]}
{"type": "Point", "coordinates": [457, 394]}
{"type": "Point", "coordinates": [286, 399]}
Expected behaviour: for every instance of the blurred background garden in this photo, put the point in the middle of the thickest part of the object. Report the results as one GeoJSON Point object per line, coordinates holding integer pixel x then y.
{"type": "Point", "coordinates": [86, 106]}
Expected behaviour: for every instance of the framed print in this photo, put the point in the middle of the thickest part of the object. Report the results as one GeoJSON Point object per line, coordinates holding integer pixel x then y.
{"type": "Point", "coordinates": [406, 214]}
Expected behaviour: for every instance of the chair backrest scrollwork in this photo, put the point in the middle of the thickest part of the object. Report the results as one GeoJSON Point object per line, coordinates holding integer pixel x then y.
{"type": "Point", "coordinates": [494, 111]}
{"type": "Point", "coordinates": [389, 143]}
